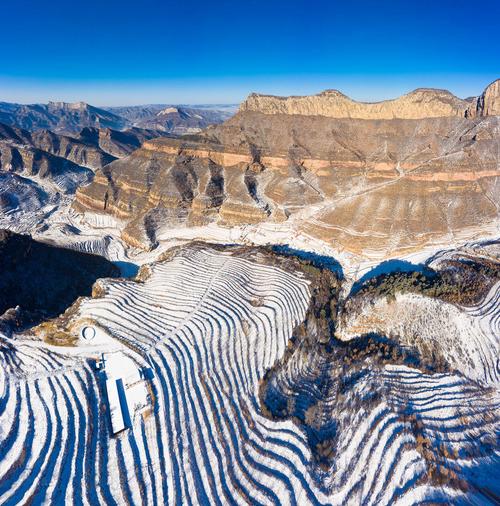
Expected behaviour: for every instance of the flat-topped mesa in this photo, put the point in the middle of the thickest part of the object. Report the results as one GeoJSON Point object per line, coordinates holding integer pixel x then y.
{"type": "Point", "coordinates": [418, 104]}
{"type": "Point", "coordinates": [168, 110]}
{"type": "Point", "coordinates": [68, 106]}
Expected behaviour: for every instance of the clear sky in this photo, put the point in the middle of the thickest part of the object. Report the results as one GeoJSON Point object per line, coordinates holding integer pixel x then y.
{"type": "Point", "coordinates": [114, 52]}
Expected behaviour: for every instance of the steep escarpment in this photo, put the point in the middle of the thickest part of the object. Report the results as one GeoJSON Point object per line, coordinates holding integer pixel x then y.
{"type": "Point", "coordinates": [418, 104]}
{"type": "Point", "coordinates": [488, 103]}
{"type": "Point", "coordinates": [79, 150]}
{"type": "Point", "coordinates": [117, 143]}
{"type": "Point", "coordinates": [61, 161]}
{"type": "Point", "coordinates": [75, 150]}
{"type": "Point", "coordinates": [29, 161]}
{"type": "Point", "coordinates": [151, 189]}
{"type": "Point", "coordinates": [40, 170]}
{"type": "Point", "coordinates": [92, 147]}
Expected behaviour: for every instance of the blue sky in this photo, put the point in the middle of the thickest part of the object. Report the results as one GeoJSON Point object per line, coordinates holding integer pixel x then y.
{"type": "Point", "coordinates": [129, 52]}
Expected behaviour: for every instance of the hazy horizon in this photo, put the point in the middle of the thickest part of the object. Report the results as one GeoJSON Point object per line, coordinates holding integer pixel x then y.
{"type": "Point", "coordinates": [106, 94]}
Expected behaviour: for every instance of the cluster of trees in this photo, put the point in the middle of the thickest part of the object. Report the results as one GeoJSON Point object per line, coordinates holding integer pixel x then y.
{"type": "Point", "coordinates": [458, 281]}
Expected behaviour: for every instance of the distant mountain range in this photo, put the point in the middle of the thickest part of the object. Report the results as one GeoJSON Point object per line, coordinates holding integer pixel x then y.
{"type": "Point", "coordinates": [174, 119]}
{"type": "Point", "coordinates": [91, 147]}
{"type": "Point", "coordinates": [70, 118]}
{"type": "Point", "coordinates": [60, 117]}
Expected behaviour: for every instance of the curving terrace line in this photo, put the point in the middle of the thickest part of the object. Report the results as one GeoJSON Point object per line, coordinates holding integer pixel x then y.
{"type": "Point", "coordinates": [209, 324]}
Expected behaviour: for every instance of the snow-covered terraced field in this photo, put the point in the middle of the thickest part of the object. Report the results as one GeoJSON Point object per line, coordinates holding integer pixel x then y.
{"type": "Point", "coordinates": [207, 324]}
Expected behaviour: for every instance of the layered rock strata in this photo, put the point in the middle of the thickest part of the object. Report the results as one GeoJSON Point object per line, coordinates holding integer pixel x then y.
{"type": "Point", "coordinates": [418, 104]}
{"type": "Point", "coordinates": [117, 143]}
{"type": "Point", "coordinates": [377, 186]}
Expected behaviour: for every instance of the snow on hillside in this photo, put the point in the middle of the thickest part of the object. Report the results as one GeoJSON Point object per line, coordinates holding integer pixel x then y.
{"type": "Point", "coordinates": [190, 344]}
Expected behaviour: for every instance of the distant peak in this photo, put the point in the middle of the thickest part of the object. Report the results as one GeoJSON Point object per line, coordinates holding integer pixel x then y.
{"type": "Point", "coordinates": [69, 105]}
{"type": "Point", "coordinates": [430, 91]}
{"type": "Point", "coordinates": [168, 110]}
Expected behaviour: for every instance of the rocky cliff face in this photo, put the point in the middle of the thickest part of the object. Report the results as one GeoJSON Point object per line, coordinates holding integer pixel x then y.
{"type": "Point", "coordinates": [421, 103]}
{"type": "Point", "coordinates": [93, 147]}
{"type": "Point", "coordinates": [488, 103]}
{"type": "Point", "coordinates": [32, 162]}
{"type": "Point", "coordinates": [41, 170]}
{"type": "Point", "coordinates": [156, 186]}
{"type": "Point", "coordinates": [375, 187]}
{"type": "Point", "coordinates": [60, 159]}
{"type": "Point", "coordinates": [75, 150]}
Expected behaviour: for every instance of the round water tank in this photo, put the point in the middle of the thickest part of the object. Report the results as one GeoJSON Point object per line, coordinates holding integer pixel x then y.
{"type": "Point", "coordinates": [88, 333]}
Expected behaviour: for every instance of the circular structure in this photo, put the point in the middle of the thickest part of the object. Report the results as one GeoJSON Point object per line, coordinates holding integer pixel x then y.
{"type": "Point", "coordinates": [88, 333]}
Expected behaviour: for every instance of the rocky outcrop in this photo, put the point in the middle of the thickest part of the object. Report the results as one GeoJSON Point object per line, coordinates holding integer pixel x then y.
{"type": "Point", "coordinates": [63, 160]}
{"type": "Point", "coordinates": [488, 103]}
{"type": "Point", "coordinates": [29, 161]}
{"type": "Point", "coordinates": [152, 188]}
{"type": "Point", "coordinates": [40, 171]}
{"type": "Point", "coordinates": [47, 154]}
{"type": "Point", "coordinates": [420, 103]}
{"type": "Point", "coordinates": [116, 143]}
{"type": "Point", "coordinates": [75, 150]}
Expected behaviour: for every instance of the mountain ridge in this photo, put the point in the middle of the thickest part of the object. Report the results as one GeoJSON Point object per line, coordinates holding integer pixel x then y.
{"type": "Point", "coordinates": [59, 117]}
{"type": "Point", "coordinates": [70, 118]}
{"type": "Point", "coordinates": [417, 104]}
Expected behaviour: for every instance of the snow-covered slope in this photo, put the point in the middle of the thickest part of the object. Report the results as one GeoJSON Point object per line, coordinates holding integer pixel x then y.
{"type": "Point", "coordinates": [201, 328]}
